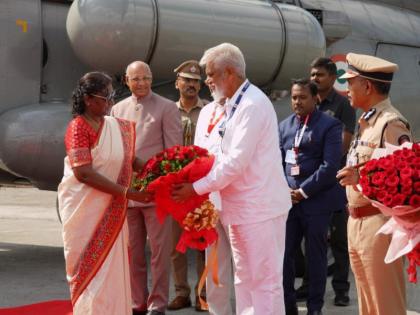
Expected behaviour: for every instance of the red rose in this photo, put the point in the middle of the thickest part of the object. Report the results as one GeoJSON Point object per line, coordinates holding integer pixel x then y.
{"type": "Point", "coordinates": [405, 152]}
{"type": "Point", "coordinates": [406, 172]}
{"type": "Point", "coordinates": [381, 195]}
{"type": "Point", "coordinates": [397, 153]}
{"type": "Point", "coordinates": [391, 172]}
{"type": "Point", "coordinates": [385, 163]}
{"type": "Point", "coordinates": [387, 201]}
{"type": "Point", "coordinates": [378, 178]}
{"type": "Point", "coordinates": [170, 154]}
{"type": "Point", "coordinates": [156, 167]}
{"type": "Point", "coordinates": [392, 181]}
{"type": "Point", "coordinates": [392, 190]}
{"type": "Point", "coordinates": [401, 165]}
{"type": "Point", "coordinates": [411, 161]}
{"type": "Point", "coordinates": [398, 200]}
{"type": "Point", "coordinates": [406, 190]}
{"type": "Point", "coordinates": [406, 182]}
{"type": "Point", "coordinates": [415, 201]}
{"type": "Point", "coordinates": [167, 167]}
{"type": "Point", "coordinates": [364, 182]}
{"type": "Point", "coordinates": [363, 172]}
{"type": "Point", "coordinates": [369, 192]}
{"type": "Point", "coordinates": [417, 187]}
{"type": "Point", "coordinates": [371, 165]}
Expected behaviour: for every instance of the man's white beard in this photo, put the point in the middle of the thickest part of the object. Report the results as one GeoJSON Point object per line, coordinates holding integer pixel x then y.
{"type": "Point", "coordinates": [217, 94]}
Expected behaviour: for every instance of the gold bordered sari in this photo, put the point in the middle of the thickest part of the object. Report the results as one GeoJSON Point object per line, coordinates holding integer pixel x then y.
{"type": "Point", "coordinates": [95, 232]}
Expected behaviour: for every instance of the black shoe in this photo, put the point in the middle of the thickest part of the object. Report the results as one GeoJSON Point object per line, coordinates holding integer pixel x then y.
{"type": "Point", "coordinates": [342, 299]}
{"type": "Point", "coordinates": [314, 313]}
{"type": "Point", "coordinates": [292, 310]}
{"type": "Point", "coordinates": [137, 312]}
{"type": "Point", "coordinates": [302, 293]}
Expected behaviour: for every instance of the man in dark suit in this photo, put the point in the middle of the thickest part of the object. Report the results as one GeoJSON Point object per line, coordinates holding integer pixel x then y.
{"type": "Point", "coordinates": [324, 75]}
{"type": "Point", "coordinates": [311, 142]}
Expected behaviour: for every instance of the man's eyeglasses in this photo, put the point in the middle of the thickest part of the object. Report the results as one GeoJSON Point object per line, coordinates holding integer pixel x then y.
{"type": "Point", "coordinates": [108, 98]}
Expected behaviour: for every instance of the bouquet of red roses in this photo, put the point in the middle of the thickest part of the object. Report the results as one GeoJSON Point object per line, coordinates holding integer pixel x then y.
{"type": "Point", "coordinates": [197, 216]}
{"type": "Point", "coordinates": [392, 183]}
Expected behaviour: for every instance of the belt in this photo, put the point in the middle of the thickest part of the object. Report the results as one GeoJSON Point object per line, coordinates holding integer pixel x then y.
{"type": "Point", "coordinates": [365, 211]}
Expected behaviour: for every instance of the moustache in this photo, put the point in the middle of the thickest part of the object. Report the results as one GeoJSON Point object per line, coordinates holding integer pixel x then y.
{"type": "Point", "coordinates": [191, 89]}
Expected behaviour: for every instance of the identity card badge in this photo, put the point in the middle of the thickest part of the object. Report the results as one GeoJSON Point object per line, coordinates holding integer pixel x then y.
{"type": "Point", "coordinates": [295, 170]}
{"type": "Point", "coordinates": [290, 157]}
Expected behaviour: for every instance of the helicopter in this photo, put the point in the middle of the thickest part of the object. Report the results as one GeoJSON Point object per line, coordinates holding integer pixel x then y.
{"type": "Point", "coordinates": [47, 45]}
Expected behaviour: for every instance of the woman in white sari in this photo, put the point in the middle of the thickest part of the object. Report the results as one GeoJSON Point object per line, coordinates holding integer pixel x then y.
{"type": "Point", "coordinates": [93, 200]}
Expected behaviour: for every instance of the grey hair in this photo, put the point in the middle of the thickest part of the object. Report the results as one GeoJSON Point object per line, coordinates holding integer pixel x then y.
{"type": "Point", "coordinates": [224, 55]}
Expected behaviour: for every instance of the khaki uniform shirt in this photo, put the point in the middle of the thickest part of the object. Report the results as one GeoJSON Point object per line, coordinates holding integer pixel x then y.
{"type": "Point", "coordinates": [382, 123]}
{"type": "Point", "coordinates": [189, 120]}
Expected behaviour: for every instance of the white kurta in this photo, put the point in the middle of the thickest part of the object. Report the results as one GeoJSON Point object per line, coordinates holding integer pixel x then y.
{"type": "Point", "coordinates": [218, 298]}
{"type": "Point", "coordinates": [255, 196]}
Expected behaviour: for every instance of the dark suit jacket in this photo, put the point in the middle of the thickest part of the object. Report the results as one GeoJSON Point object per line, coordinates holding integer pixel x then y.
{"type": "Point", "coordinates": [319, 160]}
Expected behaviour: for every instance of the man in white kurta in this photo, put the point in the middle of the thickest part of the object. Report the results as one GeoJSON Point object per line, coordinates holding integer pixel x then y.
{"type": "Point", "coordinates": [207, 136]}
{"type": "Point", "coordinates": [248, 173]}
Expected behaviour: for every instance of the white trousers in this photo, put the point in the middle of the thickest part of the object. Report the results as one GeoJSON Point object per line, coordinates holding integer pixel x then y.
{"type": "Point", "coordinates": [258, 253]}
{"type": "Point", "coordinates": [218, 298]}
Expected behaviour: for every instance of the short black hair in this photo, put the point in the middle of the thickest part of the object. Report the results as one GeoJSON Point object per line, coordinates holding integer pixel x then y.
{"type": "Point", "coordinates": [90, 83]}
{"type": "Point", "coordinates": [382, 88]}
{"type": "Point", "coordinates": [304, 82]}
{"type": "Point", "coordinates": [326, 63]}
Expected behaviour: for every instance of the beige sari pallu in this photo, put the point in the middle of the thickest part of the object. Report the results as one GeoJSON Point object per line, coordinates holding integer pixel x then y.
{"type": "Point", "coordinates": [95, 232]}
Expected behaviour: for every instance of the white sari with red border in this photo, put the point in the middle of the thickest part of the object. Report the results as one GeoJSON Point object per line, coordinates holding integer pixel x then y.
{"type": "Point", "coordinates": [95, 232]}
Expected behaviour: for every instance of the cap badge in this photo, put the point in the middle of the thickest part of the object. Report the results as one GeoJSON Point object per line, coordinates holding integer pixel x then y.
{"type": "Point", "coordinates": [193, 69]}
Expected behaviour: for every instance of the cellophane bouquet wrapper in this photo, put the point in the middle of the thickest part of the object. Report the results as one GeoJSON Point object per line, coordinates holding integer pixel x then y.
{"type": "Point", "coordinates": [391, 181]}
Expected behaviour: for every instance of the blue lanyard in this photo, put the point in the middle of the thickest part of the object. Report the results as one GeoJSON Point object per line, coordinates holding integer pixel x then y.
{"type": "Point", "coordinates": [222, 126]}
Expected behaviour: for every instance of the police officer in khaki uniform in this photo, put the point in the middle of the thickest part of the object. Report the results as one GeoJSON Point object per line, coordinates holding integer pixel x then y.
{"type": "Point", "coordinates": [380, 286]}
{"type": "Point", "coordinates": [188, 82]}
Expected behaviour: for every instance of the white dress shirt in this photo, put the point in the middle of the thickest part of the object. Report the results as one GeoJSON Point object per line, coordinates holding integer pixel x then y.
{"type": "Point", "coordinates": [248, 169]}
{"type": "Point", "coordinates": [210, 140]}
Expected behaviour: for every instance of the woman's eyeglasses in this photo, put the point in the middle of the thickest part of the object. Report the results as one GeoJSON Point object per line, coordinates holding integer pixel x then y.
{"type": "Point", "coordinates": [108, 98]}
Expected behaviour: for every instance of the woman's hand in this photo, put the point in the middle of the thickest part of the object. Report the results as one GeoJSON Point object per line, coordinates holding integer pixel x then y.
{"type": "Point", "coordinates": [138, 165]}
{"type": "Point", "coordinates": [140, 196]}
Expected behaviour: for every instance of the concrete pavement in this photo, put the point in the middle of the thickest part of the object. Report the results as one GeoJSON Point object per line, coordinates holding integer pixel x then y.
{"type": "Point", "coordinates": [32, 263]}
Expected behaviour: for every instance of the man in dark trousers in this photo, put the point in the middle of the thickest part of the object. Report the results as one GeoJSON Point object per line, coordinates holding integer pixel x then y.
{"type": "Point", "coordinates": [324, 75]}
{"type": "Point", "coordinates": [311, 143]}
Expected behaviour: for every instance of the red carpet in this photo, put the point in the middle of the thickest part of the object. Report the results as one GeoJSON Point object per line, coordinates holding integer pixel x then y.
{"type": "Point", "coordinates": [42, 308]}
